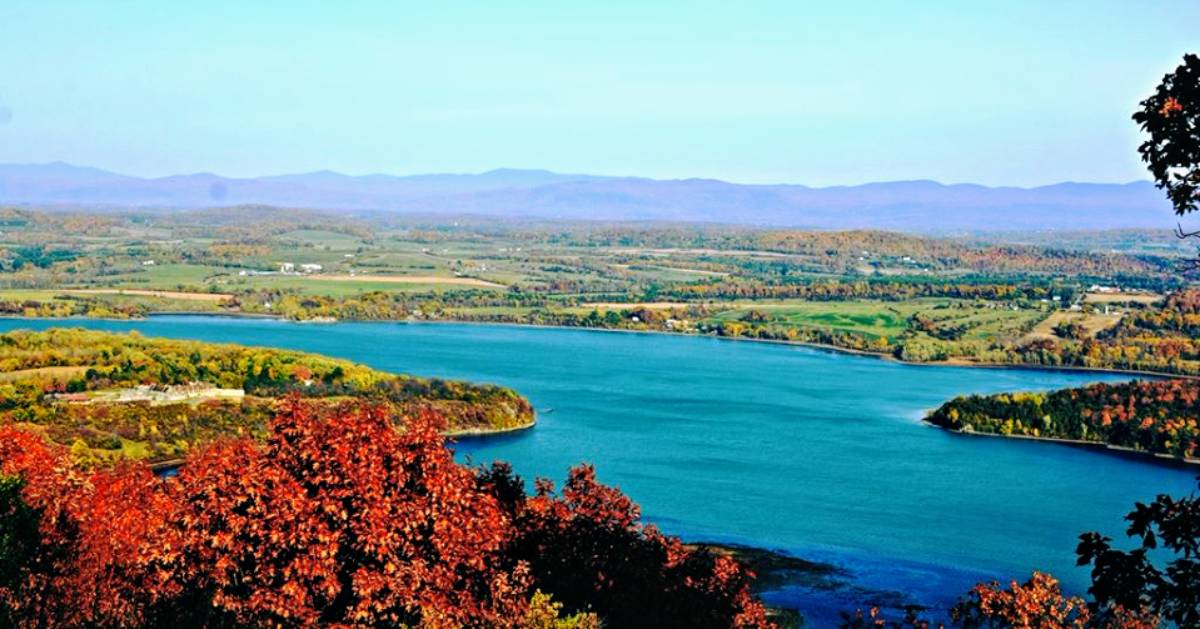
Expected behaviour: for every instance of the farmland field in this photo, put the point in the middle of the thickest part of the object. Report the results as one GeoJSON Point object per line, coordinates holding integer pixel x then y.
{"type": "Point", "coordinates": [911, 297]}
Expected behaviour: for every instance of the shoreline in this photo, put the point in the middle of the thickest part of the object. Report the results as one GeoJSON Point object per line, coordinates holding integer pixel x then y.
{"type": "Point", "coordinates": [835, 349]}
{"type": "Point", "coordinates": [1107, 448]}
{"type": "Point", "coordinates": [202, 313]}
{"type": "Point", "coordinates": [472, 433]}
{"type": "Point", "coordinates": [168, 465]}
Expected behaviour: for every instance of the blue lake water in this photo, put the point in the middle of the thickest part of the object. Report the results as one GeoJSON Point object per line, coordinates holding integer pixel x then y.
{"type": "Point", "coordinates": [815, 453]}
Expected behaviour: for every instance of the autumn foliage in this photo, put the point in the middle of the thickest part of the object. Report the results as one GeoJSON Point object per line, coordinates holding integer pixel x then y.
{"type": "Point", "coordinates": [1036, 604]}
{"type": "Point", "coordinates": [102, 538]}
{"type": "Point", "coordinates": [339, 519]}
{"type": "Point", "coordinates": [1157, 416]}
{"type": "Point", "coordinates": [586, 545]}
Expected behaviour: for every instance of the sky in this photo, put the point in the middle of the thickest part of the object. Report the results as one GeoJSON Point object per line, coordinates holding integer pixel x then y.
{"type": "Point", "coordinates": [818, 93]}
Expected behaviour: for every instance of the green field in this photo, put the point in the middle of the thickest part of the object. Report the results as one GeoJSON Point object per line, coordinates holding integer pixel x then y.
{"type": "Point", "coordinates": [913, 297]}
{"type": "Point", "coordinates": [890, 319]}
{"type": "Point", "coordinates": [169, 276]}
{"type": "Point", "coordinates": [320, 238]}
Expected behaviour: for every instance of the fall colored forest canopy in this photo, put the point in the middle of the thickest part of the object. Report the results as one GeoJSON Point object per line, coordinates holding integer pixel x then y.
{"type": "Point", "coordinates": [1157, 417]}
{"type": "Point", "coordinates": [115, 396]}
{"type": "Point", "coordinates": [338, 518]}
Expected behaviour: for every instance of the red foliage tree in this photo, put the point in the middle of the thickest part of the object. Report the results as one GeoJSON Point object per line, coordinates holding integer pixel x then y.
{"type": "Point", "coordinates": [342, 519]}
{"type": "Point", "coordinates": [105, 539]}
{"type": "Point", "coordinates": [587, 548]}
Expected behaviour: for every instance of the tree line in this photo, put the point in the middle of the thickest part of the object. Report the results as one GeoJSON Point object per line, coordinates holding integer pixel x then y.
{"type": "Point", "coordinates": [41, 365]}
{"type": "Point", "coordinates": [1151, 416]}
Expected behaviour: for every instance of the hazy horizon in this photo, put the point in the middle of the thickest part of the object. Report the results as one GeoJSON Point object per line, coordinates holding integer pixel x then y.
{"type": "Point", "coordinates": [912, 205]}
{"type": "Point", "coordinates": [536, 169]}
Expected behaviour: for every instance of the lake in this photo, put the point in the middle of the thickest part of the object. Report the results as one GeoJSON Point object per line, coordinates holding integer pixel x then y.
{"type": "Point", "coordinates": [815, 453]}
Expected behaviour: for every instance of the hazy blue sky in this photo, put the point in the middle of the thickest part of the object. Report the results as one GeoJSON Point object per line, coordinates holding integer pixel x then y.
{"type": "Point", "coordinates": [817, 93]}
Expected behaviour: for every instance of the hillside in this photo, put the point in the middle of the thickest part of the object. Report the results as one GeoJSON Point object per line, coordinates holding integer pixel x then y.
{"type": "Point", "coordinates": [112, 396]}
{"type": "Point", "coordinates": [921, 206]}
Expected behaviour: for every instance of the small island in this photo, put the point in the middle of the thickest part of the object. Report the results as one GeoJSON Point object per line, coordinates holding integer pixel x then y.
{"type": "Point", "coordinates": [1151, 417]}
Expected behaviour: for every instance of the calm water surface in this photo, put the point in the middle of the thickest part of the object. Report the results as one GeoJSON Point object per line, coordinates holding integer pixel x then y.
{"type": "Point", "coordinates": [815, 453]}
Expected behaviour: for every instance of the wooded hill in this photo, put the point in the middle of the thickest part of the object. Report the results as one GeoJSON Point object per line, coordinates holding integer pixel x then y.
{"type": "Point", "coordinates": [50, 380]}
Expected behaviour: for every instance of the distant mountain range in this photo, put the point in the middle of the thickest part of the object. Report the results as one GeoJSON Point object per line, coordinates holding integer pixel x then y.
{"type": "Point", "coordinates": [923, 206]}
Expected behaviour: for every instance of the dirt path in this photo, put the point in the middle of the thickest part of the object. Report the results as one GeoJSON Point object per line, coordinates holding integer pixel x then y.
{"type": "Point", "coordinates": [407, 279]}
{"type": "Point", "coordinates": [648, 305]}
{"type": "Point", "coordinates": [140, 292]}
{"type": "Point", "coordinates": [1122, 298]}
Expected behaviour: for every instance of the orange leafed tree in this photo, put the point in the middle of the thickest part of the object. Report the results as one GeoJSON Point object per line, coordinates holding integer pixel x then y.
{"type": "Point", "coordinates": [587, 547]}
{"type": "Point", "coordinates": [106, 539]}
{"type": "Point", "coordinates": [340, 519]}
{"type": "Point", "coordinates": [1036, 604]}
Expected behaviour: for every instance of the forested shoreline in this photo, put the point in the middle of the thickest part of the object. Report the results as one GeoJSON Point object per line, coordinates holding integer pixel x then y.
{"type": "Point", "coordinates": [1154, 417]}
{"type": "Point", "coordinates": [118, 396]}
{"type": "Point", "coordinates": [1151, 339]}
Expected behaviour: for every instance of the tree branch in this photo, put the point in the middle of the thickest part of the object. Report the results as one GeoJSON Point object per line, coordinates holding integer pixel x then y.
{"type": "Point", "coordinates": [1180, 234]}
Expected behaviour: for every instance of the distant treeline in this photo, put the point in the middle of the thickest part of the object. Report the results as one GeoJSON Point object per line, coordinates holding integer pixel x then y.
{"type": "Point", "coordinates": [1159, 338]}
